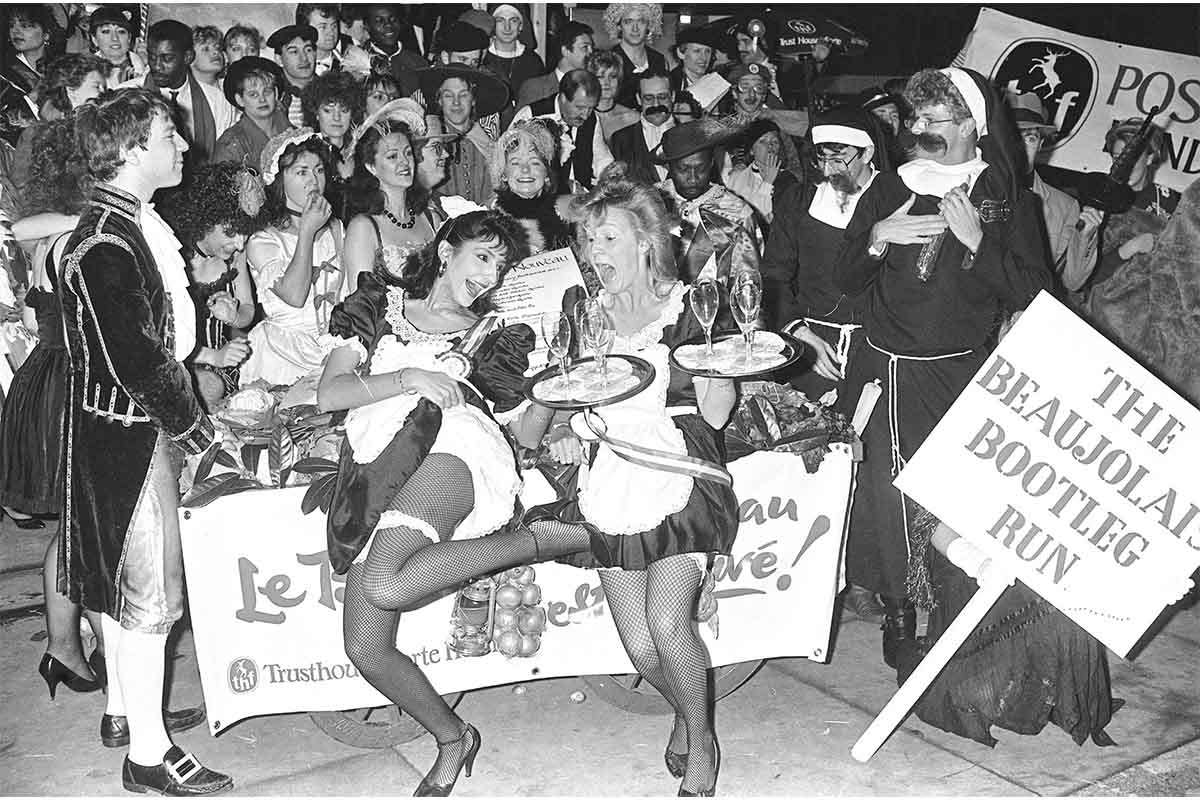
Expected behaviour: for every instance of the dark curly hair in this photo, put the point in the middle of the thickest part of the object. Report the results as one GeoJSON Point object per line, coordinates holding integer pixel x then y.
{"type": "Point", "coordinates": [422, 267]}
{"type": "Point", "coordinates": [113, 121]}
{"type": "Point", "coordinates": [67, 72]}
{"type": "Point", "coordinates": [332, 87]}
{"type": "Point", "coordinates": [365, 196]}
{"type": "Point", "coordinates": [275, 210]}
{"type": "Point", "coordinates": [39, 15]}
{"type": "Point", "coordinates": [58, 172]}
{"type": "Point", "coordinates": [209, 197]}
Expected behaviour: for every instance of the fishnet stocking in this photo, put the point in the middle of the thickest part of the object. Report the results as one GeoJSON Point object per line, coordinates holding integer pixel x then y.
{"type": "Point", "coordinates": [400, 584]}
{"type": "Point", "coordinates": [653, 612]}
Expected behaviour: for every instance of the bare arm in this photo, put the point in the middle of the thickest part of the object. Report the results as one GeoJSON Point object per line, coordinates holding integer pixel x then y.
{"type": "Point", "coordinates": [361, 245]}
{"type": "Point", "coordinates": [39, 226]}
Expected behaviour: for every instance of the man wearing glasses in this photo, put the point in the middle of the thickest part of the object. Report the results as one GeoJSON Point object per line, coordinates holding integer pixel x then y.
{"type": "Point", "coordinates": [937, 252]}
{"type": "Point", "coordinates": [633, 144]}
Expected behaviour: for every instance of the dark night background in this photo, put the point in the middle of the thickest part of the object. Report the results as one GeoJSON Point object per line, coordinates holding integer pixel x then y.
{"type": "Point", "coordinates": [908, 36]}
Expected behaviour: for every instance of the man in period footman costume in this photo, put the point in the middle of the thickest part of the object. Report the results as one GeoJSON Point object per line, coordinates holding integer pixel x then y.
{"type": "Point", "coordinates": [462, 96]}
{"type": "Point", "coordinates": [939, 250]}
{"type": "Point", "coordinates": [131, 417]}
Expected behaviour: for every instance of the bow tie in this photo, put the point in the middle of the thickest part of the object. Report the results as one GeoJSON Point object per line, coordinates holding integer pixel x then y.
{"type": "Point", "coordinates": [327, 298]}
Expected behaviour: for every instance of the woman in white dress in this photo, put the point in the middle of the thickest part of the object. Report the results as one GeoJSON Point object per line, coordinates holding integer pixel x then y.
{"type": "Point", "coordinates": [295, 262]}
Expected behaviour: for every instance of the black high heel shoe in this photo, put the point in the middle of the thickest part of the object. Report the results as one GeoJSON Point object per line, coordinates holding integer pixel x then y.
{"type": "Point", "coordinates": [676, 762]}
{"type": "Point", "coordinates": [427, 789]}
{"type": "Point", "coordinates": [54, 672]}
{"type": "Point", "coordinates": [712, 790]}
{"type": "Point", "coordinates": [25, 523]}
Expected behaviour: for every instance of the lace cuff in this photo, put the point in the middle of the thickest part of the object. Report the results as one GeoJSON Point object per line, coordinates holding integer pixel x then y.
{"type": "Point", "coordinates": [329, 342]}
{"type": "Point", "coordinates": [508, 417]}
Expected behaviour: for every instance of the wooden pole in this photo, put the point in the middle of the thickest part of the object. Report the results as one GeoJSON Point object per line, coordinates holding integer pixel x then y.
{"type": "Point", "coordinates": [992, 583]}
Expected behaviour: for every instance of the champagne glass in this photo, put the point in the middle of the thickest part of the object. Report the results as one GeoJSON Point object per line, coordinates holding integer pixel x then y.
{"type": "Point", "coordinates": [556, 329]}
{"type": "Point", "coordinates": [745, 298]}
{"type": "Point", "coordinates": [705, 299]}
{"type": "Point", "coordinates": [597, 332]}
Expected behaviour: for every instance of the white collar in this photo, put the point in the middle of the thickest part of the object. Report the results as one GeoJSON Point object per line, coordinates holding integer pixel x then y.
{"type": "Point", "coordinates": [520, 51]}
{"type": "Point", "coordinates": [826, 203]}
{"type": "Point", "coordinates": [648, 125]}
{"type": "Point", "coordinates": [21, 57]}
{"type": "Point", "coordinates": [925, 176]}
{"type": "Point", "coordinates": [165, 248]}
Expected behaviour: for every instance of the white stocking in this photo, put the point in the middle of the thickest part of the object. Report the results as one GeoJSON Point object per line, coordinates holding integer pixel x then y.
{"type": "Point", "coordinates": [111, 631]}
{"type": "Point", "coordinates": [141, 667]}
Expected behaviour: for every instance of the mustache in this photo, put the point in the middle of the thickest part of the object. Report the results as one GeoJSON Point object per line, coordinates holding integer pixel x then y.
{"type": "Point", "coordinates": [652, 110]}
{"type": "Point", "coordinates": [931, 143]}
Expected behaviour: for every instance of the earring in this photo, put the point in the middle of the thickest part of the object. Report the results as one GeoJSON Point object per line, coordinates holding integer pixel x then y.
{"type": "Point", "coordinates": [442, 269]}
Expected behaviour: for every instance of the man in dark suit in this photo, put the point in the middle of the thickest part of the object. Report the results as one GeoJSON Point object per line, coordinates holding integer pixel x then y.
{"type": "Point", "coordinates": [575, 45]}
{"type": "Point", "coordinates": [634, 144]}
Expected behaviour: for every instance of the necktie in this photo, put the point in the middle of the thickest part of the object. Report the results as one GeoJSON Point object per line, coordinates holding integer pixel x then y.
{"type": "Point", "coordinates": [174, 96]}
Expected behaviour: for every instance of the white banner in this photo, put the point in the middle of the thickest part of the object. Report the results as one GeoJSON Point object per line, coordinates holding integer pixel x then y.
{"type": "Point", "coordinates": [533, 288]}
{"type": "Point", "coordinates": [1075, 467]}
{"type": "Point", "coordinates": [1088, 83]}
{"type": "Point", "coordinates": [267, 610]}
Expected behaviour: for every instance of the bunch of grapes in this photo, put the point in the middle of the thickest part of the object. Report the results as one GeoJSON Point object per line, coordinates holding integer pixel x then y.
{"type": "Point", "coordinates": [519, 620]}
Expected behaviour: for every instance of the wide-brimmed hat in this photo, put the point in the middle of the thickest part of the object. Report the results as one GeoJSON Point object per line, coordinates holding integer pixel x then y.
{"type": "Point", "coordinates": [236, 74]}
{"type": "Point", "coordinates": [1028, 111]}
{"type": "Point", "coordinates": [287, 33]}
{"type": "Point", "coordinates": [435, 129]}
{"type": "Point", "coordinates": [112, 15]}
{"type": "Point", "coordinates": [692, 137]}
{"type": "Point", "coordinates": [491, 93]}
{"type": "Point", "coordinates": [463, 37]}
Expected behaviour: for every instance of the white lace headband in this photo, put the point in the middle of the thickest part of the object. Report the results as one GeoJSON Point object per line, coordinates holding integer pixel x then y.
{"type": "Point", "coordinates": [271, 168]}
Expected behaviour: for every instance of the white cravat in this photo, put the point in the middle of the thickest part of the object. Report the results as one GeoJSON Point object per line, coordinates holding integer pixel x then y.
{"type": "Point", "coordinates": [165, 248]}
{"type": "Point", "coordinates": [653, 134]}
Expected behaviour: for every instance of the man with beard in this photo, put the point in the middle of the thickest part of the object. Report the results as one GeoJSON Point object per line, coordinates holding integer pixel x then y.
{"type": "Point", "coordinates": [634, 143]}
{"type": "Point", "coordinates": [800, 295]}
{"type": "Point", "coordinates": [583, 155]}
{"type": "Point", "coordinates": [717, 230]}
{"type": "Point", "coordinates": [938, 250]}
{"type": "Point", "coordinates": [461, 95]}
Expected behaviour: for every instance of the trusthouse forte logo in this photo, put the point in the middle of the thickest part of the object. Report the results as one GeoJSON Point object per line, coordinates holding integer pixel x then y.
{"type": "Point", "coordinates": [1061, 74]}
{"type": "Point", "coordinates": [243, 676]}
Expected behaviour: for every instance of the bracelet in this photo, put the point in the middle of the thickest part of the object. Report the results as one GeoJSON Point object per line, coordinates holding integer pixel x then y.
{"type": "Point", "coordinates": [366, 386]}
{"type": "Point", "coordinates": [399, 380]}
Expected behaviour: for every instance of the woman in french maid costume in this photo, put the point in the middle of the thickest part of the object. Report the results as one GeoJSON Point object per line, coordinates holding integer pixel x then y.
{"type": "Point", "coordinates": [425, 459]}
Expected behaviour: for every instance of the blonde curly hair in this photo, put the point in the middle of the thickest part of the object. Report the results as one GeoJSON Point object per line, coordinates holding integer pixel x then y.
{"type": "Point", "coordinates": [532, 132]}
{"type": "Point", "coordinates": [616, 11]}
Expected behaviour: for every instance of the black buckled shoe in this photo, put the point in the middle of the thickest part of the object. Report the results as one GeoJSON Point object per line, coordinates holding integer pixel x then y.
{"type": "Point", "coordinates": [179, 775]}
{"type": "Point", "coordinates": [114, 730]}
{"type": "Point", "coordinates": [899, 629]}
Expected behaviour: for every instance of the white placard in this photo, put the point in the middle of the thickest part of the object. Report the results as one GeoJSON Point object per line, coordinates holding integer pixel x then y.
{"type": "Point", "coordinates": [533, 288]}
{"type": "Point", "coordinates": [1073, 465]}
{"type": "Point", "coordinates": [267, 610]}
{"type": "Point", "coordinates": [1086, 84]}
{"type": "Point", "coordinates": [709, 90]}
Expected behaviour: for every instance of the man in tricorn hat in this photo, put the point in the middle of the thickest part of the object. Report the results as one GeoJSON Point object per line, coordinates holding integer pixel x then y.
{"type": "Point", "coordinates": [717, 228]}
{"type": "Point", "coordinates": [938, 250]}
{"type": "Point", "coordinates": [1072, 250]}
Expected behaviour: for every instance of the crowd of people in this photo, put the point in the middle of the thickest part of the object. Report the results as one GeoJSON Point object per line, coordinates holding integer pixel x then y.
{"type": "Point", "coordinates": [182, 217]}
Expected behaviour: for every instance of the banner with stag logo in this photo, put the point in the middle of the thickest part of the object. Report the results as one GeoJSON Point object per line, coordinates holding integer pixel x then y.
{"type": "Point", "coordinates": [267, 609]}
{"type": "Point", "coordinates": [1087, 84]}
